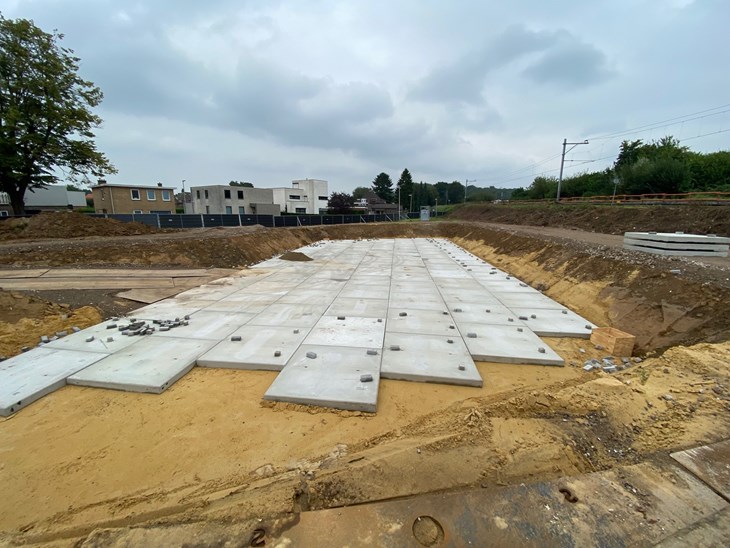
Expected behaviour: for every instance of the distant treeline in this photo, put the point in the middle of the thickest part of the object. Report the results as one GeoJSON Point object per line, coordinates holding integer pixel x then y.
{"type": "Point", "coordinates": [658, 167]}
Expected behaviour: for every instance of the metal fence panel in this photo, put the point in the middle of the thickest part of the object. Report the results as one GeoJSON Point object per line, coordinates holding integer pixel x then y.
{"type": "Point", "coordinates": [230, 220]}
{"type": "Point", "coordinates": [265, 220]}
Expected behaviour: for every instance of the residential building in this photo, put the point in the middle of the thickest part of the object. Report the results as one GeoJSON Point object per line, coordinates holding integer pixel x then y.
{"type": "Point", "coordinates": [305, 196]}
{"type": "Point", "coordinates": [375, 205]}
{"type": "Point", "coordinates": [5, 208]}
{"type": "Point", "coordinates": [232, 200]}
{"type": "Point", "coordinates": [113, 198]}
{"type": "Point", "coordinates": [53, 198]}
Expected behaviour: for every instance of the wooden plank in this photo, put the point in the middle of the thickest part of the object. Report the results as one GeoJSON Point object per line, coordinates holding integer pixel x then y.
{"type": "Point", "coordinates": [710, 463]}
{"type": "Point", "coordinates": [23, 273]}
{"type": "Point", "coordinates": [149, 296]}
{"type": "Point", "coordinates": [44, 283]}
{"type": "Point", "coordinates": [126, 272]}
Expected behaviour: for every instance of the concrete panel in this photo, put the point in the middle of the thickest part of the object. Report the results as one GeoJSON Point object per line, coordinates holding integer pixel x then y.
{"type": "Point", "coordinates": [30, 376]}
{"type": "Point", "coordinates": [555, 323]}
{"type": "Point", "coordinates": [678, 246]}
{"type": "Point", "coordinates": [350, 331]}
{"type": "Point", "coordinates": [257, 349]}
{"type": "Point", "coordinates": [208, 325]}
{"type": "Point", "coordinates": [677, 237]}
{"type": "Point", "coordinates": [455, 297]}
{"type": "Point", "coordinates": [169, 309]}
{"type": "Point", "coordinates": [308, 296]}
{"type": "Point", "coordinates": [676, 253]}
{"type": "Point", "coordinates": [207, 293]}
{"type": "Point", "coordinates": [364, 308]}
{"type": "Point", "coordinates": [289, 315]}
{"type": "Point", "coordinates": [100, 342]}
{"type": "Point", "coordinates": [428, 358]}
{"type": "Point", "coordinates": [528, 300]}
{"type": "Point", "coordinates": [365, 292]}
{"type": "Point", "coordinates": [416, 302]}
{"type": "Point", "coordinates": [424, 322]}
{"type": "Point", "coordinates": [498, 343]}
{"type": "Point", "coordinates": [477, 313]}
{"type": "Point", "coordinates": [331, 379]}
{"type": "Point", "coordinates": [152, 365]}
{"type": "Point", "coordinates": [227, 306]}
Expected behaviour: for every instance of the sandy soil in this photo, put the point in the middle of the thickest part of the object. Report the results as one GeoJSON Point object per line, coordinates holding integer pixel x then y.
{"type": "Point", "coordinates": [209, 451]}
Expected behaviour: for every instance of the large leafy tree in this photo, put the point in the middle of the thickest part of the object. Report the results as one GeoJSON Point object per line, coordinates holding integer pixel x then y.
{"type": "Point", "coordinates": [46, 119]}
{"type": "Point", "coordinates": [360, 192]}
{"type": "Point", "coordinates": [340, 203]}
{"type": "Point", "coordinates": [383, 187]}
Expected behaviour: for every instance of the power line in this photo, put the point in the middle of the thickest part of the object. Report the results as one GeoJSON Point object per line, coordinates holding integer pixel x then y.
{"type": "Point", "coordinates": [705, 135]}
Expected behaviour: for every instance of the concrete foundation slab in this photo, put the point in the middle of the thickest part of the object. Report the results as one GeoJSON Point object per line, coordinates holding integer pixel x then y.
{"type": "Point", "coordinates": [208, 325]}
{"type": "Point", "coordinates": [498, 343]}
{"type": "Point", "coordinates": [455, 297]}
{"type": "Point", "coordinates": [371, 292]}
{"type": "Point", "coordinates": [308, 296]}
{"type": "Point", "coordinates": [30, 376]}
{"type": "Point", "coordinates": [489, 314]}
{"type": "Point", "coordinates": [363, 308]}
{"type": "Point", "coordinates": [260, 348]}
{"type": "Point", "coordinates": [555, 323]}
{"type": "Point", "coordinates": [416, 302]}
{"type": "Point", "coordinates": [151, 365]}
{"type": "Point", "coordinates": [351, 331]}
{"type": "Point", "coordinates": [521, 299]}
{"type": "Point", "coordinates": [289, 315]}
{"type": "Point", "coordinates": [331, 379]}
{"type": "Point", "coordinates": [428, 358]}
{"type": "Point", "coordinates": [100, 343]}
{"type": "Point", "coordinates": [169, 309]}
{"type": "Point", "coordinates": [423, 322]}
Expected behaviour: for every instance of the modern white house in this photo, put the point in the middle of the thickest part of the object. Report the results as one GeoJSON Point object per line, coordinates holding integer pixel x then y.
{"type": "Point", "coordinates": [305, 196]}
{"type": "Point", "coordinates": [5, 209]}
{"type": "Point", "coordinates": [54, 197]}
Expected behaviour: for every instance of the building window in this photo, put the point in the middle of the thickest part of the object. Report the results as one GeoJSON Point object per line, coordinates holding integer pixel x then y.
{"type": "Point", "coordinates": [295, 197]}
{"type": "Point", "coordinates": [240, 194]}
{"type": "Point", "coordinates": [135, 194]}
{"type": "Point", "coordinates": [102, 194]}
{"type": "Point", "coordinates": [229, 210]}
{"type": "Point", "coordinates": [137, 211]}
{"type": "Point", "coordinates": [227, 194]}
{"type": "Point", "coordinates": [151, 196]}
{"type": "Point", "coordinates": [323, 198]}
{"type": "Point", "coordinates": [206, 194]}
{"type": "Point", "coordinates": [166, 196]}
{"type": "Point", "coordinates": [197, 194]}
{"type": "Point", "coordinates": [4, 214]}
{"type": "Point", "coordinates": [207, 208]}
{"type": "Point", "coordinates": [241, 210]}
{"type": "Point", "coordinates": [301, 210]}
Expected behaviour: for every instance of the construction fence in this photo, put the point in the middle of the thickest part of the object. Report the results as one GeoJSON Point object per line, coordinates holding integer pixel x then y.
{"type": "Point", "coordinates": [208, 220]}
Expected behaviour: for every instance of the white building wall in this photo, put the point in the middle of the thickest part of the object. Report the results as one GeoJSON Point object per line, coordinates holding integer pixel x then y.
{"type": "Point", "coordinates": [54, 196]}
{"type": "Point", "coordinates": [231, 200]}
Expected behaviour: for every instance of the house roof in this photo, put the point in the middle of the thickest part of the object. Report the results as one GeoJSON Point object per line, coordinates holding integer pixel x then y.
{"type": "Point", "coordinates": [146, 187]}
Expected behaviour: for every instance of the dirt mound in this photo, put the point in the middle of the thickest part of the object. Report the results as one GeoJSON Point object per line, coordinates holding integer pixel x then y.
{"type": "Point", "coordinates": [295, 256]}
{"type": "Point", "coordinates": [605, 219]}
{"type": "Point", "coordinates": [67, 225]}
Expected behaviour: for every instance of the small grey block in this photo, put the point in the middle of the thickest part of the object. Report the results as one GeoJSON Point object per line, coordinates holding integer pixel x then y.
{"type": "Point", "coordinates": [25, 349]}
{"type": "Point", "coordinates": [533, 316]}
{"type": "Point", "coordinates": [488, 311]}
{"type": "Point", "coordinates": [450, 341]}
{"type": "Point", "coordinates": [522, 318]}
{"type": "Point", "coordinates": [510, 319]}
{"type": "Point", "coordinates": [340, 317]}
{"type": "Point", "coordinates": [564, 311]}
{"type": "Point", "coordinates": [541, 350]}
{"type": "Point", "coordinates": [90, 338]}
{"type": "Point", "coordinates": [61, 333]}
{"type": "Point", "coordinates": [588, 367]}
{"type": "Point", "coordinates": [372, 352]}
{"type": "Point", "coordinates": [610, 368]}
{"type": "Point", "coordinates": [75, 329]}
{"type": "Point", "coordinates": [471, 335]}
{"type": "Point", "coordinates": [457, 309]}
{"type": "Point", "coordinates": [44, 338]}
{"type": "Point", "coordinates": [185, 322]}
{"type": "Point", "coordinates": [394, 347]}
{"type": "Point", "coordinates": [625, 360]}
{"type": "Point", "coordinates": [296, 331]}
{"type": "Point", "coordinates": [519, 329]}
{"type": "Point", "coordinates": [311, 355]}
{"type": "Point", "coordinates": [110, 339]}
{"type": "Point", "coordinates": [523, 284]}
{"type": "Point", "coordinates": [587, 326]}
{"type": "Point", "coordinates": [445, 313]}
{"type": "Point", "coordinates": [366, 378]}
{"type": "Point", "coordinates": [403, 314]}
{"type": "Point", "coordinates": [236, 338]}
{"type": "Point", "coordinates": [277, 353]}
{"type": "Point", "coordinates": [380, 320]}
{"type": "Point", "coordinates": [598, 347]}
{"type": "Point", "coordinates": [164, 328]}
{"type": "Point", "coordinates": [637, 360]}
{"type": "Point", "coordinates": [462, 368]}
{"type": "Point", "coordinates": [54, 338]}
{"type": "Point", "coordinates": [187, 316]}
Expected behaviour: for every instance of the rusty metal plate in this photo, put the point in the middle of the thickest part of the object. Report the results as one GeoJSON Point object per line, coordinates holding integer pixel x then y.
{"type": "Point", "coordinates": [710, 463]}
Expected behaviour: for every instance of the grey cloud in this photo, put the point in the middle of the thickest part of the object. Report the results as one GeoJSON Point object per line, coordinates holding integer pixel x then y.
{"type": "Point", "coordinates": [571, 65]}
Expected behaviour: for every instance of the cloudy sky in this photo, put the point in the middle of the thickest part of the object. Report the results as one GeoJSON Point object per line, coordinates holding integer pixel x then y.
{"type": "Point", "coordinates": [270, 91]}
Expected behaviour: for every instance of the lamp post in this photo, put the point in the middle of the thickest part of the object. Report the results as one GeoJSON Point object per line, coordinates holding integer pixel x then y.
{"type": "Point", "coordinates": [410, 208]}
{"type": "Point", "coordinates": [562, 161]}
{"type": "Point", "coordinates": [466, 186]}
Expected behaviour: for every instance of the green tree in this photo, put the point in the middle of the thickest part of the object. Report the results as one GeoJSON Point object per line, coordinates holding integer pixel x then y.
{"type": "Point", "coordinates": [456, 192]}
{"type": "Point", "coordinates": [340, 203]}
{"type": "Point", "coordinates": [46, 122]}
{"type": "Point", "coordinates": [383, 187]}
{"type": "Point", "coordinates": [360, 192]}
{"type": "Point", "coordinates": [405, 186]}
{"type": "Point", "coordinates": [245, 184]}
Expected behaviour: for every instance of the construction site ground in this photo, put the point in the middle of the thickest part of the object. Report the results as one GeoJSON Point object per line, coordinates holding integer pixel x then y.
{"type": "Point", "coordinates": [208, 457]}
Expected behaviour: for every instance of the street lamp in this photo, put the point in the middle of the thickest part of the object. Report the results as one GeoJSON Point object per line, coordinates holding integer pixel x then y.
{"type": "Point", "coordinates": [466, 186]}
{"type": "Point", "coordinates": [410, 208]}
{"type": "Point", "coordinates": [562, 161]}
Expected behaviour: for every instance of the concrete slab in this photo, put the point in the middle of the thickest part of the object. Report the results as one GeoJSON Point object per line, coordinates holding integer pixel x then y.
{"type": "Point", "coordinates": [151, 365]}
{"type": "Point", "coordinates": [522, 299]}
{"type": "Point", "coordinates": [331, 379]}
{"type": "Point", "coordinates": [416, 302]}
{"type": "Point", "coordinates": [675, 253]}
{"type": "Point", "coordinates": [351, 331]}
{"type": "Point", "coordinates": [364, 308]}
{"type": "Point", "coordinates": [308, 296]}
{"type": "Point", "coordinates": [369, 292]}
{"type": "Point", "coordinates": [424, 322]}
{"type": "Point", "coordinates": [207, 293]}
{"type": "Point", "coordinates": [289, 315]}
{"type": "Point", "coordinates": [257, 349]}
{"type": "Point", "coordinates": [455, 297]}
{"type": "Point", "coordinates": [169, 309]}
{"type": "Point", "coordinates": [505, 344]}
{"type": "Point", "coordinates": [555, 323]}
{"type": "Point", "coordinates": [208, 325]}
{"type": "Point", "coordinates": [100, 342]}
{"type": "Point", "coordinates": [226, 306]}
{"type": "Point", "coordinates": [477, 313]}
{"type": "Point", "coordinates": [30, 376]}
{"type": "Point", "coordinates": [428, 358]}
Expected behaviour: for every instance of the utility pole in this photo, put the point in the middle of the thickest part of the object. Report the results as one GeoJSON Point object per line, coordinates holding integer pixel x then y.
{"type": "Point", "coordinates": [466, 186]}
{"type": "Point", "coordinates": [562, 161]}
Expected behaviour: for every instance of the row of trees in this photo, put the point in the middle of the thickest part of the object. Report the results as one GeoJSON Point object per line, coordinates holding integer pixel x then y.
{"type": "Point", "coordinates": [661, 166]}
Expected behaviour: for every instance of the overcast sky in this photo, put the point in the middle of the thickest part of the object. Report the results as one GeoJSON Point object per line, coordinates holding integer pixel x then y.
{"type": "Point", "coordinates": [267, 92]}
